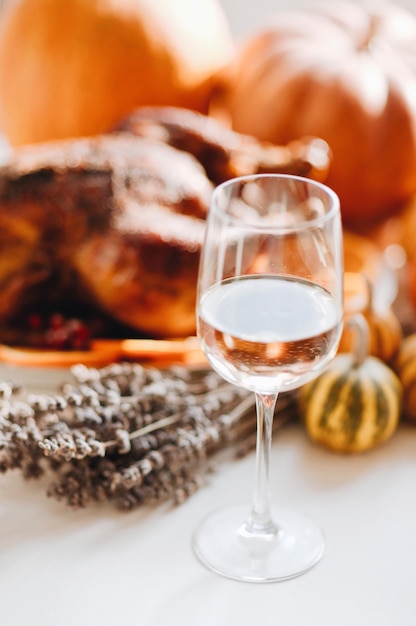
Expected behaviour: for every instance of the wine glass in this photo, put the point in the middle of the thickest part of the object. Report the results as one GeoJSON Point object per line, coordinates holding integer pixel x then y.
{"type": "Point", "coordinates": [269, 319]}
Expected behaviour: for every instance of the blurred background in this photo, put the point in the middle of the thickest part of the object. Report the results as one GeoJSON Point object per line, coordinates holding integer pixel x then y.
{"type": "Point", "coordinates": [246, 15]}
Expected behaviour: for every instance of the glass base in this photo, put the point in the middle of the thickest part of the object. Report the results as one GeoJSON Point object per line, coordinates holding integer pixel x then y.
{"type": "Point", "coordinates": [222, 544]}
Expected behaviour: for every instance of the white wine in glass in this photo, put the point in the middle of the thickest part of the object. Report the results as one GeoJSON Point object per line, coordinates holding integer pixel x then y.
{"type": "Point", "coordinates": [269, 318]}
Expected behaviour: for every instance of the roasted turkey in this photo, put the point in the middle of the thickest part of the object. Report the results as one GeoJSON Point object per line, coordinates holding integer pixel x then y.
{"type": "Point", "coordinates": [112, 226]}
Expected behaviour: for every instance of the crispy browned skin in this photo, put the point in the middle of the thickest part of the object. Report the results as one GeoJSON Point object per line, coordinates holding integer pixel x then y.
{"type": "Point", "coordinates": [115, 223]}
{"type": "Point", "coordinates": [95, 221]}
{"type": "Point", "coordinates": [224, 153]}
{"type": "Point", "coordinates": [144, 270]}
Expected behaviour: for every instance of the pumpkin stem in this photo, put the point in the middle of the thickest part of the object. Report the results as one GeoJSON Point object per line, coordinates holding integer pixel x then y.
{"type": "Point", "coordinates": [371, 34]}
{"type": "Point", "coordinates": [361, 338]}
{"type": "Point", "coordinates": [369, 288]}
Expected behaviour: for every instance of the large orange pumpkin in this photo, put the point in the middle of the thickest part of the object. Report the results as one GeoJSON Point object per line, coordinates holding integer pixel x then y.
{"type": "Point", "coordinates": [75, 68]}
{"type": "Point", "coordinates": [343, 72]}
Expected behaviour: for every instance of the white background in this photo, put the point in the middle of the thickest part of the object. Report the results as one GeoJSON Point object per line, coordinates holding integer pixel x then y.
{"type": "Point", "coordinates": [247, 15]}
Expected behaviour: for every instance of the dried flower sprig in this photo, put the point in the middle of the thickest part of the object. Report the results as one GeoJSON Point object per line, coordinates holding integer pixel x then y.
{"type": "Point", "coordinates": [126, 433]}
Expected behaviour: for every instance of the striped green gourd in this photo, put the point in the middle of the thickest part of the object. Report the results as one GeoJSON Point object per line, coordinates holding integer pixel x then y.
{"type": "Point", "coordinates": [355, 404]}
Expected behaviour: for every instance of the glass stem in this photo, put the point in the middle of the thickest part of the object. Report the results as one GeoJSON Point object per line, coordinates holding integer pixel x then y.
{"type": "Point", "coordinates": [260, 521]}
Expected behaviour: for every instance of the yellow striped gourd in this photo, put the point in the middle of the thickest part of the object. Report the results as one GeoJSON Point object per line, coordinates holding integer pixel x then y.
{"type": "Point", "coordinates": [355, 404]}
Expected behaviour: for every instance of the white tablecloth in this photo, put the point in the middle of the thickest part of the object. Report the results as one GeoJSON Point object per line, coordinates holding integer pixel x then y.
{"type": "Point", "coordinates": [61, 567]}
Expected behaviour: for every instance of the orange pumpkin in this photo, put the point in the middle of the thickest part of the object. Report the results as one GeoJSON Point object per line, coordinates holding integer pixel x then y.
{"type": "Point", "coordinates": [75, 68]}
{"type": "Point", "coordinates": [365, 261]}
{"type": "Point", "coordinates": [395, 232]}
{"type": "Point", "coordinates": [405, 368]}
{"type": "Point", "coordinates": [384, 329]}
{"type": "Point", "coordinates": [362, 256]}
{"type": "Point", "coordinates": [342, 72]}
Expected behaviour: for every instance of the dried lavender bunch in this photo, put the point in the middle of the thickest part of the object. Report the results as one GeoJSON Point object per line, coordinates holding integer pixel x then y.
{"type": "Point", "coordinates": [126, 433]}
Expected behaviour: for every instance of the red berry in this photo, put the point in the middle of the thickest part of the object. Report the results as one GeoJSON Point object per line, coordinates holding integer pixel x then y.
{"type": "Point", "coordinates": [56, 320]}
{"type": "Point", "coordinates": [35, 321]}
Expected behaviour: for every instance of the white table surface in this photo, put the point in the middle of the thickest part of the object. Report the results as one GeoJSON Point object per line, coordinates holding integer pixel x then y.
{"type": "Point", "coordinates": [64, 567]}
{"type": "Point", "coordinates": [60, 567]}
